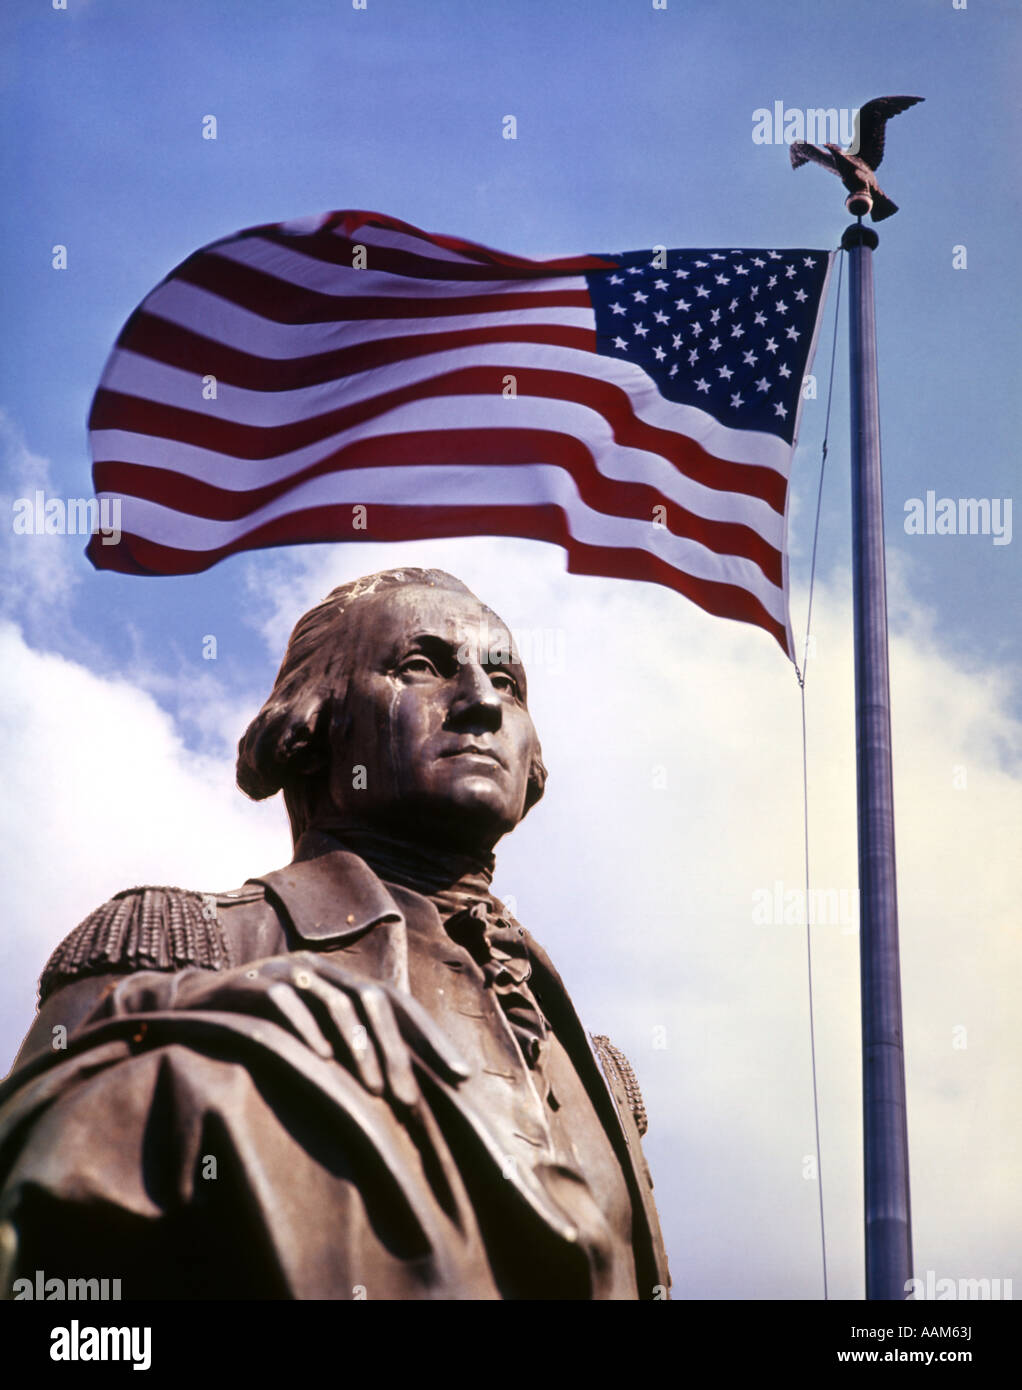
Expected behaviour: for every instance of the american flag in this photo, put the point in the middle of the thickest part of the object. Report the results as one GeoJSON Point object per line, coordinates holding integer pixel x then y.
{"type": "Point", "coordinates": [350, 377]}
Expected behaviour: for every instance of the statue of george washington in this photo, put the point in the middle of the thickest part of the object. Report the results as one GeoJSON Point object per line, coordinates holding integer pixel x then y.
{"type": "Point", "coordinates": [357, 1076]}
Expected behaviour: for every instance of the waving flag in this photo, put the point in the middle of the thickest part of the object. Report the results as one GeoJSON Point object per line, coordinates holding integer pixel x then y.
{"type": "Point", "coordinates": [349, 377]}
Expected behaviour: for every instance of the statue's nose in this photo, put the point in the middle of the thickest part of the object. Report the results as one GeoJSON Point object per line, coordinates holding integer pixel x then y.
{"type": "Point", "coordinates": [475, 697]}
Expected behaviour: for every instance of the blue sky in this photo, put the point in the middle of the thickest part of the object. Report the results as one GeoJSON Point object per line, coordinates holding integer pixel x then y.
{"type": "Point", "coordinates": [634, 128]}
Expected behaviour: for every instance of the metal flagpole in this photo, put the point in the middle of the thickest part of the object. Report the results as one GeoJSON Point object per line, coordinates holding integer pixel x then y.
{"type": "Point", "coordinates": [885, 1131]}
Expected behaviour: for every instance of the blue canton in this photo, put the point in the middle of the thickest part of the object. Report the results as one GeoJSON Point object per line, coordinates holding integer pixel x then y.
{"type": "Point", "coordinates": [726, 331]}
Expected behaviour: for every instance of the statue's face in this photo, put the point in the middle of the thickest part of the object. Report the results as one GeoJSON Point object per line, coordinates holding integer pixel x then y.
{"type": "Point", "coordinates": [436, 715]}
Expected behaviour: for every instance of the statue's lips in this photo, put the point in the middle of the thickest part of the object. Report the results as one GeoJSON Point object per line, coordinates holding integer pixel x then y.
{"type": "Point", "coordinates": [473, 751]}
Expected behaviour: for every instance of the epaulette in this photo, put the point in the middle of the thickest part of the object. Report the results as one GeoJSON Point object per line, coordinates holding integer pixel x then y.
{"type": "Point", "coordinates": [144, 928]}
{"type": "Point", "coordinates": [612, 1059]}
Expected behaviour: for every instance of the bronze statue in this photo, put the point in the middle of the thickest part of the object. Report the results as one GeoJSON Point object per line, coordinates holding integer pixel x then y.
{"type": "Point", "coordinates": [857, 170]}
{"type": "Point", "coordinates": [357, 1076]}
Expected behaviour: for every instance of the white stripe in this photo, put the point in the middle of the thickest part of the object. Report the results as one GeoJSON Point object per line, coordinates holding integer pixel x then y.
{"type": "Point", "coordinates": [451, 414]}
{"type": "Point", "coordinates": [468, 484]}
{"type": "Point", "coordinates": [393, 240]}
{"type": "Point", "coordinates": [135, 375]}
{"type": "Point", "coordinates": [288, 264]}
{"type": "Point", "coordinates": [188, 306]}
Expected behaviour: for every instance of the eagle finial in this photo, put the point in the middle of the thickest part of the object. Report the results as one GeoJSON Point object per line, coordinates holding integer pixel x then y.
{"type": "Point", "coordinates": [855, 166]}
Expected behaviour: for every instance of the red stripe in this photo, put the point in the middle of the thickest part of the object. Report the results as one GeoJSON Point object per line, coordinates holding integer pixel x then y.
{"type": "Point", "coordinates": [351, 221]}
{"type": "Point", "coordinates": [433, 448]}
{"type": "Point", "coordinates": [330, 249]}
{"type": "Point", "coordinates": [284, 302]}
{"type": "Point", "coordinates": [137, 556]}
{"type": "Point", "coordinates": [156, 338]}
{"type": "Point", "coordinates": [112, 410]}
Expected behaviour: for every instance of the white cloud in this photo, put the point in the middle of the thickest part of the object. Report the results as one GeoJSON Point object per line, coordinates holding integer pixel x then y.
{"type": "Point", "coordinates": [38, 569]}
{"type": "Point", "coordinates": [101, 794]}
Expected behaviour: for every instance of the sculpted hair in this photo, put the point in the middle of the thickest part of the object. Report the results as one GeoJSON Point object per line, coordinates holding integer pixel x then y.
{"type": "Point", "coordinates": [286, 746]}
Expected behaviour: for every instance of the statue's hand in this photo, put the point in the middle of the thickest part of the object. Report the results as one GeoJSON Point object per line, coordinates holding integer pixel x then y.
{"type": "Point", "coordinates": [371, 1028]}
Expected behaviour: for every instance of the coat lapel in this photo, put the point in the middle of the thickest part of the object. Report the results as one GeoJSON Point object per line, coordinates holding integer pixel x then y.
{"type": "Point", "coordinates": [613, 1110]}
{"type": "Point", "coordinates": [334, 902]}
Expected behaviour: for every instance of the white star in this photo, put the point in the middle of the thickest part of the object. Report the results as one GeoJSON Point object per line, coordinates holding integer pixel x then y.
{"type": "Point", "coordinates": [750, 358]}
{"type": "Point", "coordinates": [620, 344]}
{"type": "Point", "coordinates": [771, 282]}
{"type": "Point", "coordinates": [760, 319]}
{"type": "Point", "coordinates": [702, 292]}
{"type": "Point", "coordinates": [616, 280]}
{"type": "Point", "coordinates": [682, 304]}
{"type": "Point", "coordinates": [661, 317]}
{"type": "Point", "coordinates": [780, 410]}
{"type": "Point", "coordinates": [758, 263]}
{"type": "Point", "coordinates": [641, 329]}
{"type": "Point", "coordinates": [771, 345]}
{"type": "Point", "coordinates": [659, 354]}
{"type": "Point", "coordinates": [674, 370]}
{"type": "Point", "coordinates": [639, 297]}
{"type": "Point", "coordinates": [660, 284]}
{"type": "Point", "coordinates": [681, 275]}
{"type": "Point", "coordinates": [700, 265]}
{"type": "Point", "coordinates": [738, 331]}
{"type": "Point", "coordinates": [801, 296]}
{"type": "Point", "coordinates": [754, 292]}
{"type": "Point", "coordinates": [715, 257]}
{"type": "Point", "coordinates": [781, 307]}
{"type": "Point", "coordinates": [617, 308]}
{"type": "Point", "coordinates": [715, 316]}
{"type": "Point", "coordinates": [808, 261]}
{"type": "Point", "coordinates": [714, 344]}
{"type": "Point", "coordinates": [732, 306]}
{"type": "Point", "coordinates": [784, 369]}
{"type": "Point", "coordinates": [702, 384]}
{"type": "Point", "coordinates": [740, 270]}
{"type": "Point", "coordinates": [794, 334]}
{"type": "Point", "coordinates": [693, 357]}
{"type": "Point", "coordinates": [774, 255]}
{"type": "Point", "coordinates": [634, 270]}
{"type": "Point", "coordinates": [676, 340]}
{"type": "Point", "coordinates": [736, 400]}
{"type": "Point", "coordinates": [789, 272]}
{"type": "Point", "coordinates": [725, 373]}
{"type": "Point", "coordinates": [722, 279]}
{"type": "Point", "coordinates": [762, 384]}
{"type": "Point", "coordinates": [697, 328]}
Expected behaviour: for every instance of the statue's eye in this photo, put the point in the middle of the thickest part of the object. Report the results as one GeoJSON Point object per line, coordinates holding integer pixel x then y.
{"type": "Point", "coordinates": [418, 665]}
{"type": "Point", "coordinates": [505, 682]}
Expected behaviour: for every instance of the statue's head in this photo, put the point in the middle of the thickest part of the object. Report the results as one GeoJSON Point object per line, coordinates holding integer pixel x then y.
{"type": "Point", "coordinates": [400, 705]}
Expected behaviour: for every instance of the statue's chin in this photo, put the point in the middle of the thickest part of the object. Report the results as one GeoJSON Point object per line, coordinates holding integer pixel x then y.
{"type": "Point", "coordinates": [468, 825]}
{"type": "Point", "coordinates": [464, 822]}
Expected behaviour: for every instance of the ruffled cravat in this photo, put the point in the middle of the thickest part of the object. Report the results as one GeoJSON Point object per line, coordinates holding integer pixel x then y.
{"type": "Point", "coordinates": [458, 885]}
{"type": "Point", "coordinates": [497, 945]}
